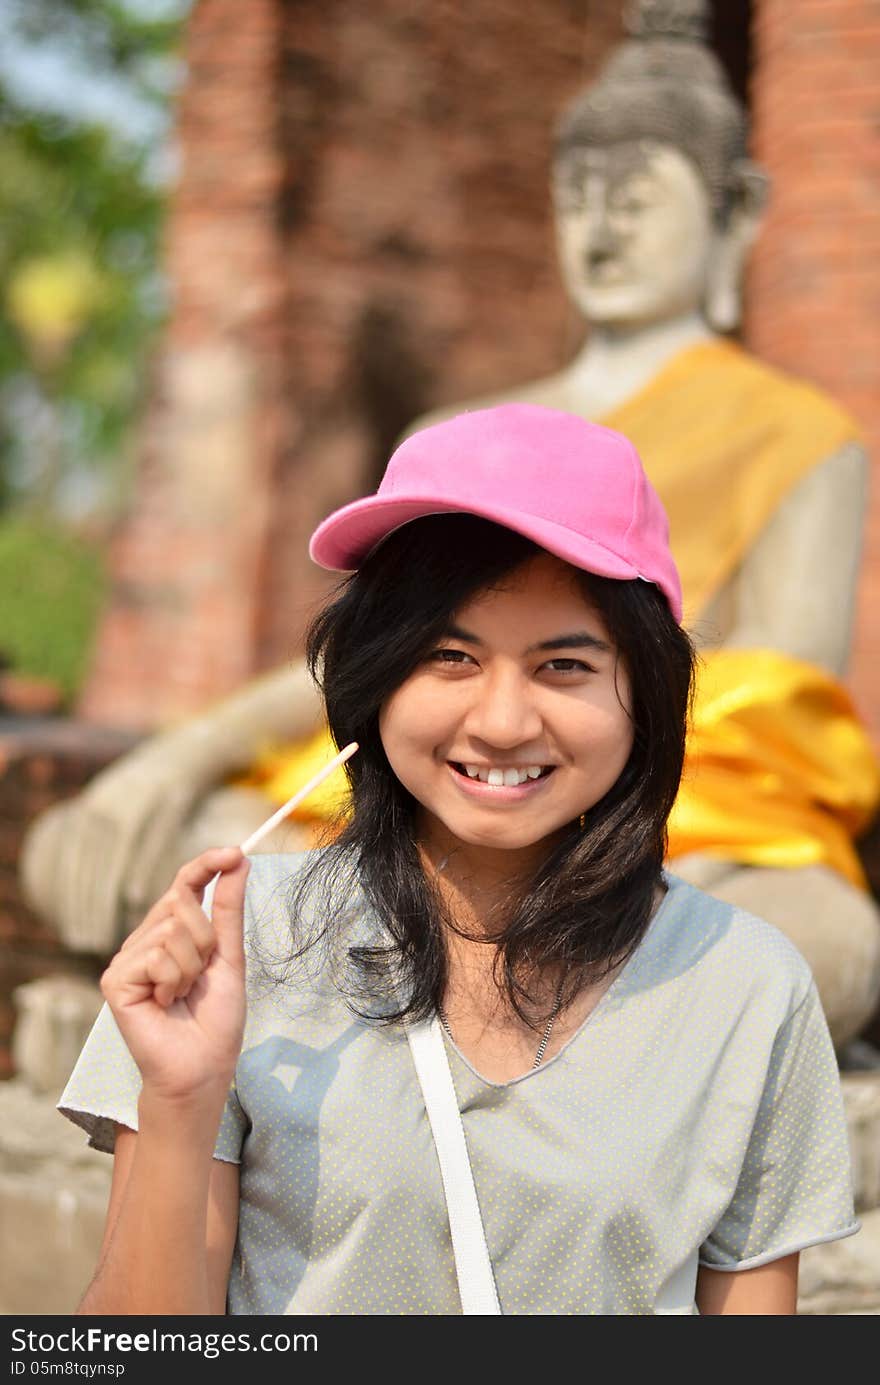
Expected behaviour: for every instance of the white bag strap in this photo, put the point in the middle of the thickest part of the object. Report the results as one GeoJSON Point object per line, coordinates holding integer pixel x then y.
{"type": "Point", "coordinates": [476, 1282]}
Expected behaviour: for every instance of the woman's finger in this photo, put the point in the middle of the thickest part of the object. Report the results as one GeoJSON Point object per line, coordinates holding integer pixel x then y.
{"type": "Point", "coordinates": [188, 885]}
{"type": "Point", "coordinates": [184, 907]}
{"type": "Point", "coordinates": [131, 980]}
{"type": "Point", "coordinates": [191, 944]}
{"type": "Point", "coordinates": [166, 954]}
{"type": "Point", "coordinates": [227, 913]}
{"type": "Point", "coordinates": [199, 872]}
{"type": "Point", "coordinates": [165, 974]}
{"type": "Point", "coordinates": [183, 951]}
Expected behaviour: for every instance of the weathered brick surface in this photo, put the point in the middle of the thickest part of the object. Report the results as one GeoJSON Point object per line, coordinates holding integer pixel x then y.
{"type": "Point", "coordinates": [814, 293]}
{"type": "Point", "coordinates": [189, 561]}
{"type": "Point", "coordinates": [362, 230]}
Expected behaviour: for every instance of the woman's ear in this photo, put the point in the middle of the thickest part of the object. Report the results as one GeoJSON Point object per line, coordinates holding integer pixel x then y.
{"type": "Point", "coordinates": [750, 190]}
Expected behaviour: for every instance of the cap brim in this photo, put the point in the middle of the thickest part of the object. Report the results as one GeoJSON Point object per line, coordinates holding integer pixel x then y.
{"type": "Point", "coordinates": [343, 540]}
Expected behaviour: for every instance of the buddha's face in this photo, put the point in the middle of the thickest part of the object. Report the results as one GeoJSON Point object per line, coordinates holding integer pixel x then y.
{"type": "Point", "coordinates": [635, 232]}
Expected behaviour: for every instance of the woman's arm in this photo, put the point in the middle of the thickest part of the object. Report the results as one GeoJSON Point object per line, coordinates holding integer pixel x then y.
{"type": "Point", "coordinates": [770, 1288]}
{"type": "Point", "coordinates": [171, 1226]}
{"type": "Point", "coordinates": [176, 989]}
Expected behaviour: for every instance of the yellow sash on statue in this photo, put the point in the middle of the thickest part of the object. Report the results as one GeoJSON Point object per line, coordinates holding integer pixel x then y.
{"type": "Point", "coordinates": [280, 769]}
{"type": "Point", "coordinates": [779, 770]}
{"type": "Point", "coordinates": [724, 438]}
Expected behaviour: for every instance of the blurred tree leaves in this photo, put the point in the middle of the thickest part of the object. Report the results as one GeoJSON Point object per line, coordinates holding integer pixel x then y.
{"type": "Point", "coordinates": [81, 204]}
{"type": "Point", "coordinates": [123, 35]}
{"type": "Point", "coordinates": [53, 584]}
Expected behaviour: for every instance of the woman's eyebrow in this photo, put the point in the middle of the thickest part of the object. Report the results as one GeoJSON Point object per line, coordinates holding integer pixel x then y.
{"type": "Point", "coordinates": [578, 639]}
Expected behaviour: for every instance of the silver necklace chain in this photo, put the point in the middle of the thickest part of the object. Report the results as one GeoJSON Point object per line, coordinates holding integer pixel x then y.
{"type": "Point", "coordinates": [545, 1038]}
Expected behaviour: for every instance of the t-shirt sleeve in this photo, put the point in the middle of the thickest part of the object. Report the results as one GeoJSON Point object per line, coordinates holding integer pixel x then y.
{"type": "Point", "coordinates": [105, 1085]}
{"type": "Point", "coordinates": [795, 1185]}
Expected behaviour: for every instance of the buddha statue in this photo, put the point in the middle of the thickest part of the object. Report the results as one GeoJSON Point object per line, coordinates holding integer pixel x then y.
{"type": "Point", "coordinates": [764, 479]}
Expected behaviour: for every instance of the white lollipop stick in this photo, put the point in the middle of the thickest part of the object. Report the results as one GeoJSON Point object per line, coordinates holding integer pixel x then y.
{"type": "Point", "coordinates": [298, 797]}
{"type": "Point", "coordinates": [261, 832]}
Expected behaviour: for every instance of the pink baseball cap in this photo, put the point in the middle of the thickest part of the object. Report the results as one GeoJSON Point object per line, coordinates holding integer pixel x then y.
{"type": "Point", "coordinates": [576, 488]}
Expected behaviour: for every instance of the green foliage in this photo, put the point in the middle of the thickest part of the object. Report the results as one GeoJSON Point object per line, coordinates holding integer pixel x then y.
{"type": "Point", "coordinates": [52, 587]}
{"type": "Point", "coordinates": [66, 194]}
{"type": "Point", "coordinates": [81, 299]}
{"type": "Point", "coordinates": [78, 199]}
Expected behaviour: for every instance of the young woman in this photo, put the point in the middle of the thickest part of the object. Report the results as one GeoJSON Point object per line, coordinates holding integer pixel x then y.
{"type": "Point", "coordinates": [648, 1091]}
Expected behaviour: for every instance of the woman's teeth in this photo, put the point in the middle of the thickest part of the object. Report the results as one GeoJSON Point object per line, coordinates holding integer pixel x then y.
{"type": "Point", "coordinates": [509, 777]}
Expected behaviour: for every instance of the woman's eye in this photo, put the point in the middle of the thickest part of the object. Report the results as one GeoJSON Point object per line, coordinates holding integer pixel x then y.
{"type": "Point", "coordinates": [448, 656]}
{"type": "Point", "coordinates": [457, 656]}
{"type": "Point", "coordinates": [574, 665]}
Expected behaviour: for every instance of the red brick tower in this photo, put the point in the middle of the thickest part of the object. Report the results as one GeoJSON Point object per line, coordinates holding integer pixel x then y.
{"type": "Point", "coordinates": [814, 300]}
{"type": "Point", "coordinates": [362, 229]}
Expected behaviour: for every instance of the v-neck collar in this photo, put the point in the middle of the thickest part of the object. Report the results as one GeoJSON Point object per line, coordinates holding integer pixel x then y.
{"type": "Point", "coordinates": [628, 970]}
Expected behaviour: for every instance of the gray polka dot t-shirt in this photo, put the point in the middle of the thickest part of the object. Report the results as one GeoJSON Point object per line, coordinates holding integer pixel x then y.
{"type": "Point", "coordinates": [694, 1118]}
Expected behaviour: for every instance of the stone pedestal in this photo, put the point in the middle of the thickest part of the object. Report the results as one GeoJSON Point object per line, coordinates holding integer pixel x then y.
{"type": "Point", "coordinates": [843, 1277]}
{"type": "Point", "coordinates": [53, 1199]}
{"type": "Point", "coordinates": [43, 761]}
{"type": "Point", "coordinates": [55, 1016]}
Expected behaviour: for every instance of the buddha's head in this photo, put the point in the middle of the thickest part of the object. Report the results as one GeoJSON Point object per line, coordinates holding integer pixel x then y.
{"type": "Point", "coordinates": [656, 200]}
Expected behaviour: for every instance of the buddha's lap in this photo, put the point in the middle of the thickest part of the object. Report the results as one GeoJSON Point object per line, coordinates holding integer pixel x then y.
{"type": "Point", "coordinates": [832, 923]}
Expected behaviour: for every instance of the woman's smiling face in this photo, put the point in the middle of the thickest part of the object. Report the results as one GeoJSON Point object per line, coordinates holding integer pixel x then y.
{"type": "Point", "coordinates": [525, 677]}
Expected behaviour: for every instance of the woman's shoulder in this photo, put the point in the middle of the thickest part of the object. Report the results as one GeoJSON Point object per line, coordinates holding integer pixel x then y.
{"type": "Point", "coordinates": [726, 950]}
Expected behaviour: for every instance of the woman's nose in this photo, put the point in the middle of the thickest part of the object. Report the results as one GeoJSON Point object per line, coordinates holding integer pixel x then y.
{"type": "Point", "coordinates": [503, 713]}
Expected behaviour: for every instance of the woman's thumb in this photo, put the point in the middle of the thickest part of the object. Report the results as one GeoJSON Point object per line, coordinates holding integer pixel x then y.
{"type": "Point", "coordinates": [224, 904]}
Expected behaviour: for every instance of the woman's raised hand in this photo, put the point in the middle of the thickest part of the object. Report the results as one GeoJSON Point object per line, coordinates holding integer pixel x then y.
{"type": "Point", "coordinates": [177, 985]}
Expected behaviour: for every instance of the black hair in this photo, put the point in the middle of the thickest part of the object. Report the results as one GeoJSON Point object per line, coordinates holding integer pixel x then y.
{"type": "Point", "coordinates": [589, 903]}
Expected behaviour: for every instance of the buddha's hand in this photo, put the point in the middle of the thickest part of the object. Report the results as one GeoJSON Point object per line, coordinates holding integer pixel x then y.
{"type": "Point", "coordinates": [87, 862]}
{"type": "Point", "coordinates": [177, 985]}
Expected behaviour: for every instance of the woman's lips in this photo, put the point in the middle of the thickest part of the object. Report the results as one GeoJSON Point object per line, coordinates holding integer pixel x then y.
{"type": "Point", "coordinates": [497, 793]}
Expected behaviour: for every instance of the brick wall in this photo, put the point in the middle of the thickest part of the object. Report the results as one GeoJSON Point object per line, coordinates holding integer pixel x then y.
{"type": "Point", "coordinates": [362, 230]}
{"type": "Point", "coordinates": [188, 564]}
{"type": "Point", "coordinates": [814, 299]}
